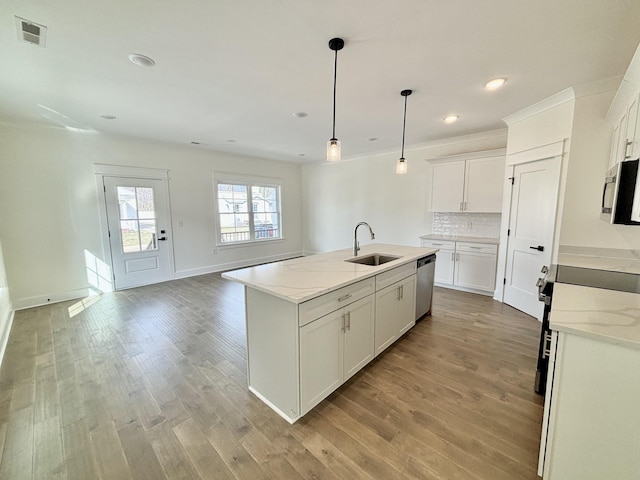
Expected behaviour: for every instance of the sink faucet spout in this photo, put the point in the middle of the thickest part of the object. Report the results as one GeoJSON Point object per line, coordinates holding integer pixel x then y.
{"type": "Point", "coordinates": [356, 245]}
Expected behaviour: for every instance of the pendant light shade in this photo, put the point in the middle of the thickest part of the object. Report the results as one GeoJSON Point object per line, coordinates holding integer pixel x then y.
{"type": "Point", "coordinates": [401, 166]}
{"type": "Point", "coordinates": [333, 145]}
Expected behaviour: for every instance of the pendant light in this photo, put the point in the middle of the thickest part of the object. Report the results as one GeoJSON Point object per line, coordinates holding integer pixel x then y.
{"type": "Point", "coordinates": [401, 167]}
{"type": "Point", "coordinates": [333, 145]}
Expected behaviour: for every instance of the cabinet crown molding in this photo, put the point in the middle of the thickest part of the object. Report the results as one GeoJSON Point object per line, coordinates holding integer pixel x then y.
{"type": "Point", "coordinates": [498, 152]}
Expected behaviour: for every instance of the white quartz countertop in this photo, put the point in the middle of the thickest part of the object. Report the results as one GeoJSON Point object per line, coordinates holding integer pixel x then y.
{"type": "Point", "coordinates": [301, 279]}
{"type": "Point", "coordinates": [615, 260]}
{"type": "Point", "coordinates": [461, 238]}
{"type": "Point", "coordinates": [596, 313]}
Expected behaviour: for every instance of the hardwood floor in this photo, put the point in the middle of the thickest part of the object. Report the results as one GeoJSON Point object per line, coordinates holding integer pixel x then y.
{"type": "Point", "coordinates": [150, 383]}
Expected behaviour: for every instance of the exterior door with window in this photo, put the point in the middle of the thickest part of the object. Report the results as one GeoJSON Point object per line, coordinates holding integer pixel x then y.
{"type": "Point", "coordinates": [137, 218]}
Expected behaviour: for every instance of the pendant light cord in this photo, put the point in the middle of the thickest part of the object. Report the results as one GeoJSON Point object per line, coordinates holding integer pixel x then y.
{"type": "Point", "coordinates": [335, 76]}
{"type": "Point", "coordinates": [404, 124]}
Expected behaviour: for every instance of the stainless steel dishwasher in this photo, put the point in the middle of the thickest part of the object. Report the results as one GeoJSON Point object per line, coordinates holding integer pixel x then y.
{"type": "Point", "coordinates": [424, 285]}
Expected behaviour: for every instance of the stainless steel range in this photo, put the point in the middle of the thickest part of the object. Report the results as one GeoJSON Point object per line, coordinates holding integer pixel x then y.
{"type": "Point", "coordinates": [586, 277]}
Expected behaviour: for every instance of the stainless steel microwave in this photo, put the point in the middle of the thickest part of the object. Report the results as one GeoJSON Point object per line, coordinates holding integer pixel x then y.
{"type": "Point", "coordinates": [618, 192]}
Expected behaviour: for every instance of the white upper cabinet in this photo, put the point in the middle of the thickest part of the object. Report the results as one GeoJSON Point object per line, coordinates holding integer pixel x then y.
{"type": "Point", "coordinates": [483, 185]}
{"type": "Point", "coordinates": [625, 143]}
{"type": "Point", "coordinates": [448, 187]}
{"type": "Point", "coordinates": [633, 131]}
{"type": "Point", "coordinates": [470, 185]}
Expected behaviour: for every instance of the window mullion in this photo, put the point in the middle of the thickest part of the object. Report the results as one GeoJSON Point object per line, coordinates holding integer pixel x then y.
{"type": "Point", "coordinates": [252, 228]}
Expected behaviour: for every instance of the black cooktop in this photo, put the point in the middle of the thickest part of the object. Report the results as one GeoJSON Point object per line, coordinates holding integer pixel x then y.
{"type": "Point", "coordinates": [589, 277]}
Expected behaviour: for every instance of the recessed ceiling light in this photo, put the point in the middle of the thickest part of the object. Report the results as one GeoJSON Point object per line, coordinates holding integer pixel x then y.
{"type": "Point", "coordinates": [108, 116]}
{"type": "Point", "coordinates": [451, 118]}
{"type": "Point", "coordinates": [300, 114]}
{"type": "Point", "coordinates": [373, 139]}
{"type": "Point", "coordinates": [142, 60]}
{"type": "Point", "coordinates": [495, 84]}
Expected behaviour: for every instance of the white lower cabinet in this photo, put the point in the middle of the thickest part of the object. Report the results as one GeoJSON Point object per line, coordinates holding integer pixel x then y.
{"type": "Point", "coordinates": [297, 354]}
{"type": "Point", "coordinates": [466, 266]}
{"type": "Point", "coordinates": [591, 424]}
{"type": "Point", "coordinates": [396, 309]}
{"type": "Point", "coordinates": [445, 266]}
{"type": "Point", "coordinates": [333, 348]}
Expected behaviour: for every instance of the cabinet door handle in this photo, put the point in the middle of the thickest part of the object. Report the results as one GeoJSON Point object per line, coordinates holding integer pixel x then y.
{"type": "Point", "coordinates": [344, 297]}
{"type": "Point", "coordinates": [344, 324]}
{"type": "Point", "coordinates": [401, 292]}
{"type": "Point", "coordinates": [461, 204]}
{"type": "Point", "coordinates": [453, 257]}
{"type": "Point", "coordinates": [464, 206]}
{"type": "Point", "coordinates": [626, 148]}
{"type": "Point", "coordinates": [348, 326]}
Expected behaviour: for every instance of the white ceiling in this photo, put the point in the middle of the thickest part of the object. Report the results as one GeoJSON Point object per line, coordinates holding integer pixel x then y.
{"type": "Point", "coordinates": [238, 70]}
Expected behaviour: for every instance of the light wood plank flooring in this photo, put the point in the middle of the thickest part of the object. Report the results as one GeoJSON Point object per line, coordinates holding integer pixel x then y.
{"type": "Point", "coordinates": [150, 383]}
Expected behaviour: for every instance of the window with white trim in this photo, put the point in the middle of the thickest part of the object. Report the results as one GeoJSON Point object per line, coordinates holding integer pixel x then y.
{"type": "Point", "coordinates": [248, 208]}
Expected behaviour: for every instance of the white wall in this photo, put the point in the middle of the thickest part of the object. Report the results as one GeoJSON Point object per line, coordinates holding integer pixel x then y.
{"type": "Point", "coordinates": [541, 124]}
{"type": "Point", "coordinates": [49, 206]}
{"type": "Point", "coordinates": [6, 310]}
{"type": "Point", "coordinates": [338, 196]}
{"type": "Point", "coordinates": [590, 146]}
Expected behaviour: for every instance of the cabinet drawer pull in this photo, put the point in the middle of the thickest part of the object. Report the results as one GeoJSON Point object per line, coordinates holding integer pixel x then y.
{"type": "Point", "coordinates": [546, 352]}
{"type": "Point", "coordinates": [344, 297]}
{"type": "Point", "coordinates": [477, 248]}
{"type": "Point", "coordinates": [437, 244]}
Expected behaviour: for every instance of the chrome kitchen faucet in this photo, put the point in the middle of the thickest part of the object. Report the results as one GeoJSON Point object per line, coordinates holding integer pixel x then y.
{"type": "Point", "coordinates": [356, 245]}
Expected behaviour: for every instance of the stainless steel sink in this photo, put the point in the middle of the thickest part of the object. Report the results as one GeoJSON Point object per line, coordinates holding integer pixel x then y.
{"type": "Point", "coordinates": [374, 259]}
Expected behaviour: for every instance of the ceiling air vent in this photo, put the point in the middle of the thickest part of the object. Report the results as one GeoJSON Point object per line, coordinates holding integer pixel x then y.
{"type": "Point", "coordinates": [31, 32]}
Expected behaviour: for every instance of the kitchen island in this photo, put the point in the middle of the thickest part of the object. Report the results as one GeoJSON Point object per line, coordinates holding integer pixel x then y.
{"type": "Point", "coordinates": [591, 426]}
{"type": "Point", "coordinates": [313, 322]}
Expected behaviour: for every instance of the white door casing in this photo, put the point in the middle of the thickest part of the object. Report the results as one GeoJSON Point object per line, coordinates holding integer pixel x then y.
{"type": "Point", "coordinates": [534, 198]}
{"type": "Point", "coordinates": [137, 211]}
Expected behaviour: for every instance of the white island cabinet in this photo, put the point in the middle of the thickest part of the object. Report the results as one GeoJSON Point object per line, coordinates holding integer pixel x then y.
{"type": "Point", "coordinates": [313, 322]}
{"type": "Point", "coordinates": [591, 425]}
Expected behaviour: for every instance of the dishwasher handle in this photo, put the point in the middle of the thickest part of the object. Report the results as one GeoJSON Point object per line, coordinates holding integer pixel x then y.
{"type": "Point", "coordinates": [426, 260]}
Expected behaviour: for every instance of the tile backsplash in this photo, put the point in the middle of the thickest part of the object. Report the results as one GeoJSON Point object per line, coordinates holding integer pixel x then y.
{"type": "Point", "coordinates": [469, 224]}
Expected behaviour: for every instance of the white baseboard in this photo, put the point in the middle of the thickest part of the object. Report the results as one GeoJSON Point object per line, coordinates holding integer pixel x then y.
{"type": "Point", "coordinates": [465, 289]}
{"type": "Point", "coordinates": [233, 265]}
{"type": "Point", "coordinates": [4, 333]}
{"type": "Point", "coordinates": [39, 300]}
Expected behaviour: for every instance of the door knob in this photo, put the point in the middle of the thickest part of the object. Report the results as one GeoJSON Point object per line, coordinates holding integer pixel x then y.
{"type": "Point", "coordinates": [162, 238]}
{"type": "Point", "coordinates": [540, 248]}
